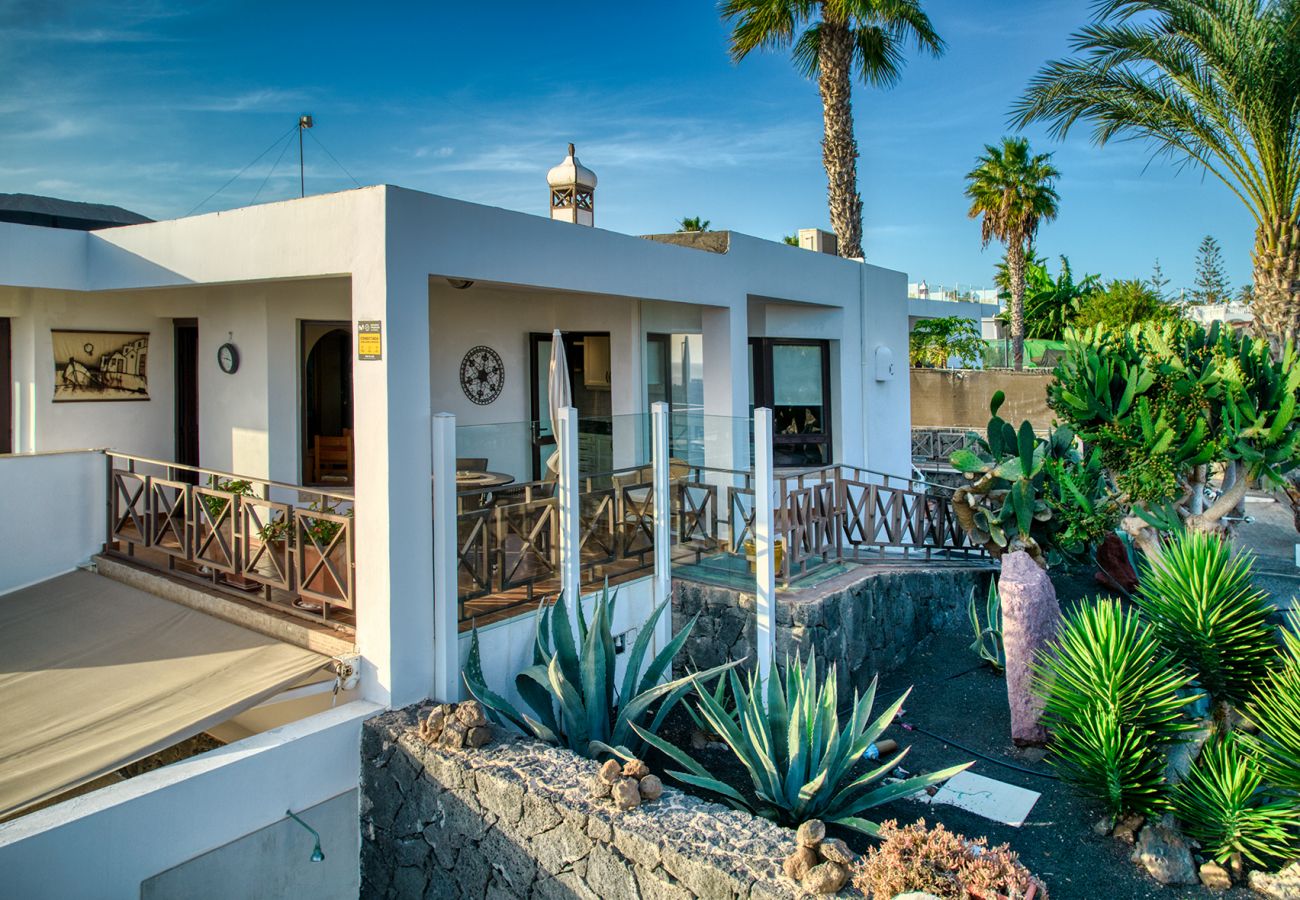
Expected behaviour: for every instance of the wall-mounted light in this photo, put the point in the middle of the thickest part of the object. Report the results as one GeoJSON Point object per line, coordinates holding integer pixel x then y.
{"type": "Point", "coordinates": [460, 284]}
{"type": "Point", "coordinates": [316, 854]}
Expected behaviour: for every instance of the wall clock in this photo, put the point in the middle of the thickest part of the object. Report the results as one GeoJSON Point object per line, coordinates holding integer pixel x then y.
{"type": "Point", "coordinates": [482, 375]}
{"type": "Point", "coordinates": [228, 358]}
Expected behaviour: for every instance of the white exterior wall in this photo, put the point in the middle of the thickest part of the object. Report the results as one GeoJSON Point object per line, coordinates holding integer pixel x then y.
{"type": "Point", "coordinates": [105, 843]}
{"type": "Point", "coordinates": [396, 247]}
{"type": "Point", "coordinates": [54, 515]}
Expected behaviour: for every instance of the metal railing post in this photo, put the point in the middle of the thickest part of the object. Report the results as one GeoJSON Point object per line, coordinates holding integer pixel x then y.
{"type": "Point", "coordinates": [446, 606]}
{"type": "Point", "coordinates": [764, 542]}
{"type": "Point", "coordinates": [566, 440]}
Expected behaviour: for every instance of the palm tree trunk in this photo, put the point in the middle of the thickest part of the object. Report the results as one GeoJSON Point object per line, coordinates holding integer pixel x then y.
{"type": "Point", "coordinates": [839, 146]}
{"type": "Point", "coordinates": [1277, 281]}
{"type": "Point", "coordinates": [1016, 274]}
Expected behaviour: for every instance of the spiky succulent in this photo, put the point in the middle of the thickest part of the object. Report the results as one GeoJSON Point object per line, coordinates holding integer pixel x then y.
{"type": "Point", "coordinates": [1114, 700]}
{"type": "Point", "coordinates": [571, 685]}
{"type": "Point", "coordinates": [1275, 710]}
{"type": "Point", "coordinates": [1223, 804]}
{"type": "Point", "coordinates": [799, 755]}
{"type": "Point", "coordinates": [1198, 597]}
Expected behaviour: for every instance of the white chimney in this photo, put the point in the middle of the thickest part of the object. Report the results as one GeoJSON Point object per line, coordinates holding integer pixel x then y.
{"type": "Point", "coordinates": [573, 188]}
{"type": "Point", "coordinates": [818, 240]}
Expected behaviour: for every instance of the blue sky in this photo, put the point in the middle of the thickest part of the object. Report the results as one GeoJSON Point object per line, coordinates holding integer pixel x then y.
{"type": "Point", "coordinates": [154, 105]}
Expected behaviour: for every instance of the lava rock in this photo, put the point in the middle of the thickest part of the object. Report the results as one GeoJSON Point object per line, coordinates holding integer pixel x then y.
{"type": "Point", "coordinates": [811, 833]}
{"type": "Point", "coordinates": [650, 787]}
{"type": "Point", "coordinates": [478, 736]}
{"type": "Point", "coordinates": [626, 794]}
{"type": "Point", "coordinates": [611, 771]}
{"type": "Point", "coordinates": [825, 878]}
{"type": "Point", "coordinates": [470, 714]}
{"type": "Point", "coordinates": [634, 768]}
{"type": "Point", "coordinates": [453, 735]}
{"type": "Point", "coordinates": [1126, 829]}
{"type": "Point", "coordinates": [1215, 877]}
{"type": "Point", "coordinates": [1163, 852]}
{"type": "Point", "coordinates": [600, 788]}
{"type": "Point", "coordinates": [798, 863]}
{"type": "Point", "coordinates": [836, 851]}
{"type": "Point", "coordinates": [1284, 885]}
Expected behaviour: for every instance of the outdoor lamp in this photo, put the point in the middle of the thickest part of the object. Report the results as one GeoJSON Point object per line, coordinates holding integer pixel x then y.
{"type": "Point", "coordinates": [316, 854]}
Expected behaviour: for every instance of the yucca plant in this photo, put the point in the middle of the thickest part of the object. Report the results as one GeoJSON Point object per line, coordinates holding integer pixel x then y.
{"type": "Point", "coordinates": [1198, 597]}
{"type": "Point", "coordinates": [988, 633]}
{"type": "Point", "coordinates": [1224, 805]}
{"type": "Point", "coordinates": [799, 756]}
{"type": "Point", "coordinates": [1114, 699]}
{"type": "Point", "coordinates": [571, 687]}
{"type": "Point", "coordinates": [1275, 710]}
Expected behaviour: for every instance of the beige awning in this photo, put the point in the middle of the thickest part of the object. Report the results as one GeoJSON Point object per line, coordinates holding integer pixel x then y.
{"type": "Point", "coordinates": [95, 675]}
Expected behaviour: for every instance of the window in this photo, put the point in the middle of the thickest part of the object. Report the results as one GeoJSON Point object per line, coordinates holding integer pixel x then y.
{"type": "Point", "coordinates": [792, 377]}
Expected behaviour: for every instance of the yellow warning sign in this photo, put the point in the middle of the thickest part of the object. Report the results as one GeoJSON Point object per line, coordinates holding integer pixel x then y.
{"type": "Point", "coordinates": [370, 340]}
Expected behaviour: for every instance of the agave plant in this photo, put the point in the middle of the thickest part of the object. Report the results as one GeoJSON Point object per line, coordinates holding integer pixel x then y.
{"type": "Point", "coordinates": [1222, 804]}
{"type": "Point", "coordinates": [988, 633]}
{"type": "Point", "coordinates": [571, 685]}
{"type": "Point", "coordinates": [799, 756]}
{"type": "Point", "coordinates": [1114, 700]}
{"type": "Point", "coordinates": [1275, 710]}
{"type": "Point", "coordinates": [1198, 596]}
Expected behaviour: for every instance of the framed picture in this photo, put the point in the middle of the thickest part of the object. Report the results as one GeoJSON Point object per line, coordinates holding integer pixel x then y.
{"type": "Point", "coordinates": [100, 365]}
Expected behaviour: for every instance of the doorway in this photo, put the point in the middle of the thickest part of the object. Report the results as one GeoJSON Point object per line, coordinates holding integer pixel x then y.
{"type": "Point", "coordinates": [793, 379]}
{"type": "Point", "coordinates": [186, 342]}
{"type": "Point", "coordinates": [590, 380]}
{"type": "Point", "coordinates": [326, 354]}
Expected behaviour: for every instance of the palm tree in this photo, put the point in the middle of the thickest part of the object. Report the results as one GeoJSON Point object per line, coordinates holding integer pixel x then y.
{"type": "Point", "coordinates": [693, 223]}
{"type": "Point", "coordinates": [832, 39]}
{"type": "Point", "coordinates": [1013, 192]}
{"type": "Point", "coordinates": [1210, 83]}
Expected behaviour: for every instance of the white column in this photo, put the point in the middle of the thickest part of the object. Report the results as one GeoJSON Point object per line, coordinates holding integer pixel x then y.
{"type": "Point", "coordinates": [31, 416]}
{"type": "Point", "coordinates": [446, 608]}
{"type": "Point", "coordinates": [764, 537]}
{"type": "Point", "coordinates": [566, 439]}
{"type": "Point", "coordinates": [663, 577]}
{"type": "Point", "coordinates": [394, 496]}
{"type": "Point", "coordinates": [726, 384]}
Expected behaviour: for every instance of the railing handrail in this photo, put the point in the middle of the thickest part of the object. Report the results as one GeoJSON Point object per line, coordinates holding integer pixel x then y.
{"type": "Point", "coordinates": [232, 476]}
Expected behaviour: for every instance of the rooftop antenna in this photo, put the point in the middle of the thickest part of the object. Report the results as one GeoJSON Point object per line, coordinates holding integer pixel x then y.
{"type": "Point", "coordinates": [304, 122]}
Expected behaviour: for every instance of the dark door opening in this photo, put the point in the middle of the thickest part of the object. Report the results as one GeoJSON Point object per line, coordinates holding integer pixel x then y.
{"type": "Point", "coordinates": [6, 401]}
{"type": "Point", "coordinates": [793, 379]}
{"type": "Point", "coordinates": [590, 380]}
{"type": "Point", "coordinates": [186, 342]}
{"type": "Point", "coordinates": [328, 456]}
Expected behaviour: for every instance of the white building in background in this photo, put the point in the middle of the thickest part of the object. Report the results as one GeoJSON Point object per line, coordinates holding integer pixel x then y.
{"type": "Point", "coordinates": [1238, 315]}
{"type": "Point", "coordinates": [305, 347]}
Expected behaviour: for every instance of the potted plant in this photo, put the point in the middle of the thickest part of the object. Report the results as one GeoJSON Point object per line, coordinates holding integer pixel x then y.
{"type": "Point", "coordinates": [281, 532]}
{"type": "Point", "coordinates": [217, 507]}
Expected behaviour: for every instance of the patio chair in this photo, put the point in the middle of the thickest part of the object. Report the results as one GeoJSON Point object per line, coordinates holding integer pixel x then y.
{"type": "Point", "coordinates": [332, 458]}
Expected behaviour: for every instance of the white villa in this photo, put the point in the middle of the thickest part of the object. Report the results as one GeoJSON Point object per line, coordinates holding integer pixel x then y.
{"type": "Point", "coordinates": [291, 503]}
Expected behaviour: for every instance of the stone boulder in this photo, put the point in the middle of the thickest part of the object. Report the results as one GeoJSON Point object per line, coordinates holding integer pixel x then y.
{"type": "Point", "coordinates": [1030, 618]}
{"type": "Point", "coordinates": [1284, 885]}
{"type": "Point", "coordinates": [1164, 853]}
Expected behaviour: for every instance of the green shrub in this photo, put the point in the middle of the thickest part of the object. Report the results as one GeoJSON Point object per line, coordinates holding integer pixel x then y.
{"type": "Point", "coordinates": [1222, 804]}
{"type": "Point", "coordinates": [799, 755]}
{"type": "Point", "coordinates": [1275, 710]}
{"type": "Point", "coordinates": [571, 685]}
{"type": "Point", "coordinates": [1111, 698]}
{"type": "Point", "coordinates": [1198, 597]}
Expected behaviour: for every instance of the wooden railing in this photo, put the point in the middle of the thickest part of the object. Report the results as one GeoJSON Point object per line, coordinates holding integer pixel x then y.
{"type": "Point", "coordinates": [835, 513]}
{"type": "Point", "coordinates": [508, 538]}
{"type": "Point", "coordinates": [291, 545]}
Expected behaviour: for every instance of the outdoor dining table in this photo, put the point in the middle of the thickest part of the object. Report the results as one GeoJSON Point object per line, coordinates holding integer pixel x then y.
{"type": "Point", "coordinates": [468, 481]}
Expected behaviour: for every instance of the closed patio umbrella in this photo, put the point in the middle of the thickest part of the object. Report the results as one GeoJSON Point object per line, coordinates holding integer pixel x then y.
{"type": "Point", "coordinates": [559, 394]}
